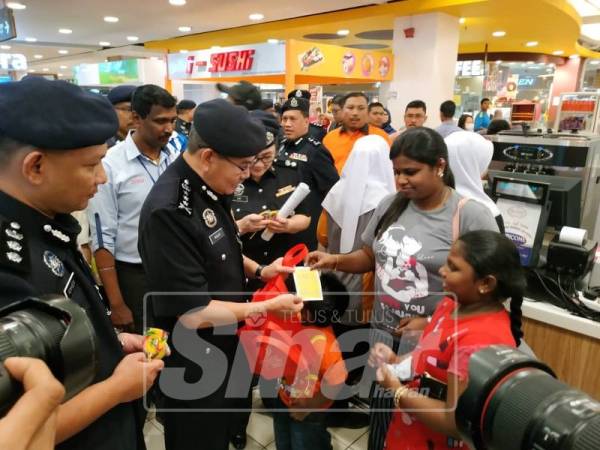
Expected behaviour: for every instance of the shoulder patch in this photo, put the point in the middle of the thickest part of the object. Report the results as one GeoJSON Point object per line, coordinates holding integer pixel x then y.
{"type": "Point", "coordinates": [184, 200]}
{"type": "Point", "coordinates": [14, 253]}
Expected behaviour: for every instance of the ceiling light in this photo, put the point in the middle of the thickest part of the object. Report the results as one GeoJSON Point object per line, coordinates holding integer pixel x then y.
{"type": "Point", "coordinates": [38, 56]}
{"type": "Point", "coordinates": [185, 29]}
{"type": "Point", "coordinates": [215, 47]}
{"type": "Point", "coordinates": [15, 5]}
{"type": "Point", "coordinates": [45, 69]}
{"type": "Point", "coordinates": [273, 41]}
{"type": "Point", "coordinates": [30, 39]}
{"type": "Point", "coordinates": [177, 2]}
{"type": "Point", "coordinates": [31, 70]}
{"type": "Point", "coordinates": [529, 63]}
{"type": "Point", "coordinates": [5, 47]}
{"type": "Point", "coordinates": [65, 31]}
{"type": "Point", "coordinates": [462, 20]}
{"type": "Point", "coordinates": [499, 33]}
{"type": "Point", "coordinates": [499, 61]}
{"type": "Point", "coordinates": [104, 43]}
{"type": "Point", "coordinates": [557, 52]}
{"type": "Point", "coordinates": [133, 38]}
{"type": "Point", "coordinates": [59, 74]}
{"type": "Point", "coordinates": [256, 16]}
{"type": "Point", "coordinates": [63, 52]}
{"type": "Point", "coordinates": [183, 51]}
{"type": "Point", "coordinates": [531, 44]}
{"type": "Point", "coordinates": [343, 32]}
{"type": "Point", "coordinates": [64, 67]}
{"type": "Point", "coordinates": [111, 19]}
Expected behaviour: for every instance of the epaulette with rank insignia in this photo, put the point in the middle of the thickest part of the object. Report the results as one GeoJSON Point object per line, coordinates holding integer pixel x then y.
{"type": "Point", "coordinates": [184, 201]}
{"type": "Point", "coordinates": [313, 141]}
{"type": "Point", "coordinates": [14, 253]}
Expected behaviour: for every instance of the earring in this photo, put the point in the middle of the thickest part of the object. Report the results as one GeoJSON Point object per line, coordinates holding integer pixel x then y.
{"type": "Point", "coordinates": [440, 174]}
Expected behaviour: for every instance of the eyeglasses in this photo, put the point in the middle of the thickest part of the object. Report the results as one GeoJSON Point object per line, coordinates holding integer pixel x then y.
{"type": "Point", "coordinates": [243, 168]}
{"type": "Point", "coordinates": [266, 160]}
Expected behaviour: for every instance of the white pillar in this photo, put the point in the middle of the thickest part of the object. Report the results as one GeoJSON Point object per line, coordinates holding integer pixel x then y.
{"type": "Point", "coordinates": [424, 65]}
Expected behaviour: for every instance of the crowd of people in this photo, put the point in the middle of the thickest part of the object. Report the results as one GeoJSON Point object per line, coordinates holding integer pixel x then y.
{"type": "Point", "coordinates": [173, 217]}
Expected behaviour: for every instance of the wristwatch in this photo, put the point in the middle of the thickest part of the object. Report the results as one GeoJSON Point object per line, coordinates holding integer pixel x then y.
{"type": "Point", "coordinates": [258, 271]}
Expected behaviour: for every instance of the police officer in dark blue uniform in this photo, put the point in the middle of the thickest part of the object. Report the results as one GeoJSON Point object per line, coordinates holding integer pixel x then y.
{"type": "Point", "coordinates": [315, 131]}
{"type": "Point", "coordinates": [52, 139]}
{"type": "Point", "coordinates": [300, 151]}
{"type": "Point", "coordinates": [192, 254]}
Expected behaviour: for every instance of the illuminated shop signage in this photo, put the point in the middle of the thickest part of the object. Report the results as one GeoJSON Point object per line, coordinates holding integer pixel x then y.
{"type": "Point", "coordinates": [470, 68]}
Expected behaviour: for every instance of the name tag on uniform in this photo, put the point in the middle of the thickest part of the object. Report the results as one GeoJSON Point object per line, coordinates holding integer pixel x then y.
{"type": "Point", "coordinates": [299, 157]}
{"type": "Point", "coordinates": [285, 190]}
{"type": "Point", "coordinates": [240, 198]}
{"type": "Point", "coordinates": [216, 236]}
{"type": "Point", "coordinates": [70, 286]}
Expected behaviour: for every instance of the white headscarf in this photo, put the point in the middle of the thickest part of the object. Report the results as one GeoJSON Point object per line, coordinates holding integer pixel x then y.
{"type": "Point", "coordinates": [469, 156]}
{"type": "Point", "coordinates": [367, 177]}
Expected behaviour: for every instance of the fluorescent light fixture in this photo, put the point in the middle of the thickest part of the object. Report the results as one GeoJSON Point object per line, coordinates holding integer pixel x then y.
{"type": "Point", "coordinates": [63, 52]}
{"type": "Point", "coordinates": [183, 51]}
{"type": "Point", "coordinates": [104, 44]}
{"type": "Point", "coordinates": [177, 2]}
{"type": "Point", "coordinates": [557, 52]}
{"type": "Point", "coordinates": [133, 38]}
{"type": "Point", "coordinates": [5, 47]}
{"type": "Point", "coordinates": [15, 5]}
{"type": "Point", "coordinates": [273, 41]}
{"type": "Point", "coordinates": [256, 16]}
{"type": "Point", "coordinates": [111, 19]}
{"type": "Point", "coordinates": [65, 30]}
{"type": "Point", "coordinates": [343, 32]}
{"type": "Point", "coordinates": [64, 67]}
{"type": "Point", "coordinates": [38, 56]}
{"type": "Point", "coordinates": [185, 29]}
{"type": "Point", "coordinates": [531, 44]}
{"type": "Point", "coordinates": [499, 33]}
{"type": "Point", "coordinates": [30, 39]}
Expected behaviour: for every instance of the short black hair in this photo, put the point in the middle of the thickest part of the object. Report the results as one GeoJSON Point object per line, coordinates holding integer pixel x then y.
{"type": "Point", "coordinates": [417, 104]}
{"type": "Point", "coordinates": [497, 126]}
{"type": "Point", "coordinates": [448, 108]}
{"type": "Point", "coordinates": [148, 95]}
{"type": "Point", "coordinates": [338, 100]}
{"type": "Point", "coordinates": [463, 119]}
{"type": "Point", "coordinates": [375, 105]}
{"type": "Point", "coordinates": [352, 95]}
{"type": "Point", "coordinates": [484, 99]}
{"type": "Point", "coordinates": [8, 149]}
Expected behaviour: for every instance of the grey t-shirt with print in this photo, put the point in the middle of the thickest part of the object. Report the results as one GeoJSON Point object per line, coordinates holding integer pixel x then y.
{"type": "Point", "coordinates": [409, 254]}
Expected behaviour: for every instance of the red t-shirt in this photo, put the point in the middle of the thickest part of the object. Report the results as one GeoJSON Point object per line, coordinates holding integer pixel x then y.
{"type": "Point", "coordinates": [445, 347]}
{"type": "Point", "coordinates": [320, 349]}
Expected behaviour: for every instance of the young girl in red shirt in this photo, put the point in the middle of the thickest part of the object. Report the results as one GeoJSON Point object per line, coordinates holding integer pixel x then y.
{"type": "Point", "coordinates": [483, 270]}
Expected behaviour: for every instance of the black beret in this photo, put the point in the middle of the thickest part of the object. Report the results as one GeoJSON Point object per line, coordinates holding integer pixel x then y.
{"type": "Point", "coordinates": [53, 114]}
{"type": "Point", "coordinates": [121, 93]}
{"type": "Point", "coordinates": [244, 93]}
{"type": "Point", "coordinates": [299, 93]}
{"type": "Point", "coordinates": [296, 103]}
{"type": "Point", "coordinates": [186, 104]}
{"type": "Point", "coordinates": [229, 129]}
{"type": "Point", "coordinates": [270, 123]}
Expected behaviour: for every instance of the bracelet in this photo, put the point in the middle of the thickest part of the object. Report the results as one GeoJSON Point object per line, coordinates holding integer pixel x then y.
{"type": "Point", "coordinates": [399, 393]}
{"type": "Point", "coordinates": [258, 271]}
{"type": "Point", "coordinates": [337, 260]}
{"type": "Point", "coordinates": [106, 269]}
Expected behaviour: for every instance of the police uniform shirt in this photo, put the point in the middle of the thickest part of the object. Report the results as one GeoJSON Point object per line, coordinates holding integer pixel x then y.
{"type": "Point", "coordinates": [317, 132]}
{"type": "Point", "coordinates": [39, 256]}
{"type": "Point", "coordinates": [268, 194]}
{"type": "Point", "coordinates": [189, 243]}
{"type": "Point", "coordinates": [315, 164]}
{"type": "Point", "coordinates": [183, 126]}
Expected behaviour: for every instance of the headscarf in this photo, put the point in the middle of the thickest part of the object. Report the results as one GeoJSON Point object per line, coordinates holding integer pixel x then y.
{"type": "Point", "coordinates": [367, 177]}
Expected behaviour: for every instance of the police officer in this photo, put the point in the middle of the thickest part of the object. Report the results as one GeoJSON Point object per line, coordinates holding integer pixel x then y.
{"type": "Point", "coordinates": [185, 114]}
{"type": "Point", "coordinates": [120, 97]}
{"type": "Point", "coordinates": [315, 131]}
{"type": "Point", "coordinates": [192, 253]}
{"type": "Point", "coordinates": [50, 165]}
{"type": "Point", "coordinates": [300, 151]}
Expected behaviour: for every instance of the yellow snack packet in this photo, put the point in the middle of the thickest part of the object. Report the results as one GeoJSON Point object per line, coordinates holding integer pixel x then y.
{"type": "Point", "coordinates": [155, 343]}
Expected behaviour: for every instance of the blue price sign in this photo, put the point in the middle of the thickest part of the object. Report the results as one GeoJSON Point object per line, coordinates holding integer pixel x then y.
{"type": "Point", "coordinates": [7, 24]}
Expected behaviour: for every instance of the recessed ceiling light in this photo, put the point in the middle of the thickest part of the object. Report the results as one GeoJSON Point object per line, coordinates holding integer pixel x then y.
{"type": "Point", "coordinates": [63, 52]}
{"type": "Point", "coordinates": [133, 38]}
{"type": "Point", "coordinates": [531, 44]}
{"type": "Point", "coordinates": [65, 30]}
{"type": "Point", "coordinates": [111, 19]}
{"type": "Point", "coordinates": [462, 20]}
{"type": "Point", "coordinates": [273, 41]}
{"type": "Point", "coordinates": [574, 57]}
{"type": "Point", "coordinates": [557, 52]}
{"type": "Point", "coordinates": [343, 32]}
{"type": "Point", "coordinates": [256, 16]}
{"type": "Point", "coordinates": [183, 51]}
{"type": "Point", "coordinates": [5, 47]}
{"type": "Point", "coordinates": [185, 29]}
{"type": "Point", "coordinates": [38, 56]}
{"type": "Point", "coordinates": [30, 39]}
{"type": "Point", "coordinates": [499, 33]}
{"type": "Point", "coordinates": [104, 43]}
{"type": "Point", "coordinates": [15, 5]}
{"type": "Point", "coordinates": [45, 69]}
{"type": "Point", "coordinates": [64, 67]}
{"type": "Point", "coordinates": [177, 2]}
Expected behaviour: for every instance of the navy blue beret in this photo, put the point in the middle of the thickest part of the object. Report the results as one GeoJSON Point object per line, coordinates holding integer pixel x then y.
{"type": "Point", "coordinates": [270, 123]}
{"type": "Point", "coordinates": [54, 114]}
{"type": "Point", "coordinates": [121, 93]}
{"type": "Point", "coordinates": [297, 103]}
{"type": "Point", "coordinates": [229, 129]}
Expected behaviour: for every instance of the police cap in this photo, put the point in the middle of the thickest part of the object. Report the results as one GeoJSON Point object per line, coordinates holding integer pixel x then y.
{"type": "Point", "coordinates": [54, 114]}
{"type": "Point", "coordinates": [120, 94]}
{"type": "Point", "coordinates": [299, 104]}
{"type": "Point", "coordinates": [299, 93]}
{"type": "Point", "coordinates": [244, 93]}
{"type": "Point", "coordinates": [229, 129]}
{"type": "Point", "coordinates": [270, 123]}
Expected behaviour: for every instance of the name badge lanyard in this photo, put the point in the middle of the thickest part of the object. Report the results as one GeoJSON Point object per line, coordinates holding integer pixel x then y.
{"type": "Point", "coordinates": [140, 159]}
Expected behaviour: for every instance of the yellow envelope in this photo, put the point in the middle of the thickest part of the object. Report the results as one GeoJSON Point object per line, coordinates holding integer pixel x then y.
{"type": "Point", "coordinates": [308, 284]}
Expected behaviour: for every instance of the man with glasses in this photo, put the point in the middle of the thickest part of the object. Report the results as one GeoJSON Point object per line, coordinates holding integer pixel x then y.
{"type": "Point", "coordinates": [120, 97]}
{"type": "Point", "coordinates": [192, 252]}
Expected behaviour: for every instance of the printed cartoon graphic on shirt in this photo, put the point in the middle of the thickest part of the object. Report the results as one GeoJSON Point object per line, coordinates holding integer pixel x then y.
{"type": "Point", "coordinates": [402, 275]}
